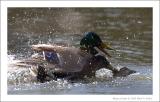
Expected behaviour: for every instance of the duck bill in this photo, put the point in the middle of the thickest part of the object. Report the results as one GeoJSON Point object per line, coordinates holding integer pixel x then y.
{"type": "Point", "coordinates": [104, 51]}
{"type": "Point", "coordinates": [106, 46]}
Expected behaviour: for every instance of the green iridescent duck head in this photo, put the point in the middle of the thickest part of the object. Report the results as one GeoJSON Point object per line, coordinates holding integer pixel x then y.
{"type": "Point", "coordinates": [90, 41]}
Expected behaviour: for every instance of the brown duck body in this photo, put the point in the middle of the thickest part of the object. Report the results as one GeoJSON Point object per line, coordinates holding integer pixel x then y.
{"type": "Point", "coordinates": [75, 63]}
{"type": "Point", "coordinates": [71, 59]}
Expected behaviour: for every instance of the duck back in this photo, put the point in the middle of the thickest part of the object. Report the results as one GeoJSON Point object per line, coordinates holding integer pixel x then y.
{"type": "Point", "coordinates": [71, 59]}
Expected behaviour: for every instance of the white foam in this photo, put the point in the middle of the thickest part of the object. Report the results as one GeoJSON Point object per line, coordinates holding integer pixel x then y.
{"type": "Point", "coordinates": [104, 73]}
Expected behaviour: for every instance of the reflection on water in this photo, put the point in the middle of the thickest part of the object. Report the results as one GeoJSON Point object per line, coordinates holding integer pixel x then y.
{"type": "Point", "coordinates": [128, 30]}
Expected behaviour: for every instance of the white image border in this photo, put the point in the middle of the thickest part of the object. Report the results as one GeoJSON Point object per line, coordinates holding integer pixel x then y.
{"type": "Point", "coordinates": [149, 98]}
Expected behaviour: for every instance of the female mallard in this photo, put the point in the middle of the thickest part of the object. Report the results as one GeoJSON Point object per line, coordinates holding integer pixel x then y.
{"type": "Point", "coordinates": [74, 62]}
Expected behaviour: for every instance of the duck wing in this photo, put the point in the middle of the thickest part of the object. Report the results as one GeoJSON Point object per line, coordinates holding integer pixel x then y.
{"type": "Point", "coordinates": [71, 59]}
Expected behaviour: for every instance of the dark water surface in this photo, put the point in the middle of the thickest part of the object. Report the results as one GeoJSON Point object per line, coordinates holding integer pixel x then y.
{"type": "Point", "coordinates": [128, 30]}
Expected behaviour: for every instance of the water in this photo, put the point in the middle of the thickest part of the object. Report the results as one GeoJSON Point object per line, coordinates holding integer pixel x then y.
{"type": "Point", "coordinates": [128, 30]}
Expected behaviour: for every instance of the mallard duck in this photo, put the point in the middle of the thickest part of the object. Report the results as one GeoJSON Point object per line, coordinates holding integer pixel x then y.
{"type": "Point", "coordinates": [74, 62]}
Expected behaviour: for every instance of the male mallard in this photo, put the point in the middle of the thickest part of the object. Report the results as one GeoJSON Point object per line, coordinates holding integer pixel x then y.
{"type": "Point", "coordinates": [92, 40]}
{"type": "Point", "coordinates": [74, 62]}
